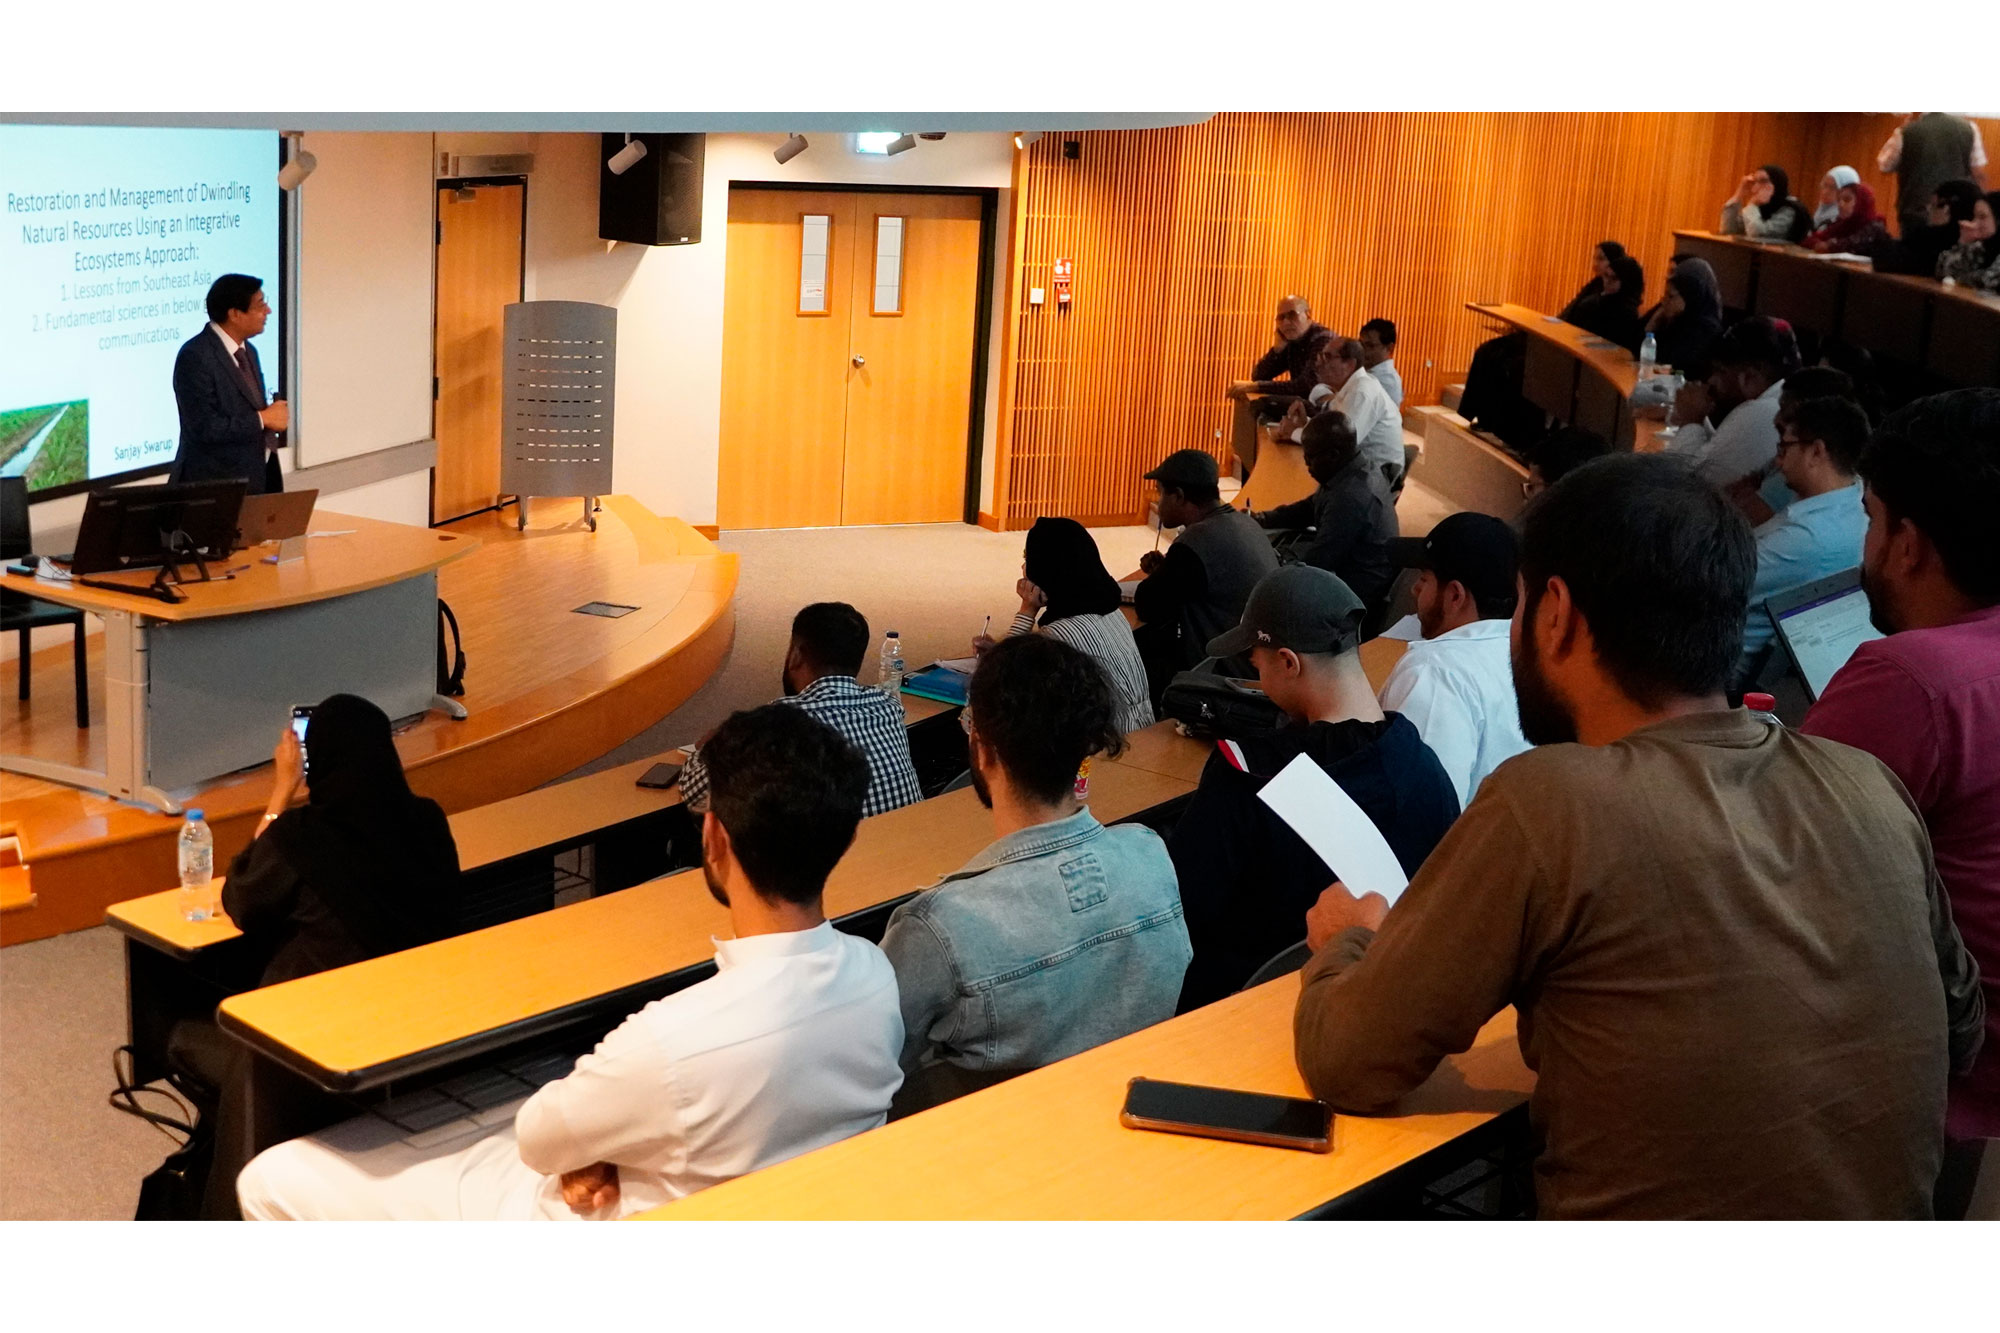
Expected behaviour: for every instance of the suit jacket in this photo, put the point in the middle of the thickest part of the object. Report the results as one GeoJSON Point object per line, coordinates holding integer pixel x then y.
{"type": "Point", "coordinates": [221, 435]}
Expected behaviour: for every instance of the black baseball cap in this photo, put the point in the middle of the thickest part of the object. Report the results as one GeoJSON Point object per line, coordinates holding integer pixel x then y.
{"type": "Point", "coordinates": [1300, 607]}
{"type": "Point", "coordinates": [1186, 467]}
{"type": "Point", "coordinates": [1477, 550]}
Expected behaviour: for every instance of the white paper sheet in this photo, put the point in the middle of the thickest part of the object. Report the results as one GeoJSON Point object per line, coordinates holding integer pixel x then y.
{"type": "Point", "coordinates": [1337, 829]}
{"type": "Point", "coordinates": [1407, 629]}
{"type": "Point", "coordinates": [962, 665]}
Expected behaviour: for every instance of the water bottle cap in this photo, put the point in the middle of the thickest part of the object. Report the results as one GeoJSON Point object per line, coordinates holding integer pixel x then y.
{"type": "Point", "coordinates": [1760, 703]}
{"type": "Point", "coordinates": [892, 634]}
{"type": "Point", "coordinates": [193, 814]}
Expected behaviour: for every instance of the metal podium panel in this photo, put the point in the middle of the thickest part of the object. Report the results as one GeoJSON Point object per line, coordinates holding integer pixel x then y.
{"type": "Point", "coordinates": [220, 689]}
{"type": "Point", "coordinates": [557, 382]}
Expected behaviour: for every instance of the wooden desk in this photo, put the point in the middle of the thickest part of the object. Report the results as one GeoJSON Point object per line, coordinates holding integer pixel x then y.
{"type": "Point", "coordinates": [361, 1026]}
{"type": "Point", "coordinates": [1572, 374]}
{"type": "Point", "coordinates": [343, 616]}
{"type": "Point", "coordinates": [1048, 1145]}
{"type": "Point", "coordinates": [1279, 478]}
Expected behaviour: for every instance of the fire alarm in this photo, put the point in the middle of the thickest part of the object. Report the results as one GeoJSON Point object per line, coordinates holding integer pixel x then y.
{"type": "Point", "coordinates": [1060, 280]}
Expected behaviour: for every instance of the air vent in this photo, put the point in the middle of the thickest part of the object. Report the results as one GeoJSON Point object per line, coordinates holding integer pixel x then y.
{"type": "Point", "coordinates": [465, 165]}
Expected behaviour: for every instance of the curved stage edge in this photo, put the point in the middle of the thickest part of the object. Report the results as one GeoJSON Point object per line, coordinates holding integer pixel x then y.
{"type": "Point", "coordinates": [548, 690]}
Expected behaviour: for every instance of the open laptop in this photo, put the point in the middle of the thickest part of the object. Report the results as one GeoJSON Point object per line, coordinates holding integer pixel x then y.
{"type": "Point", "coordinates": [274, 517]}
{"type": "Point", "coordinates": [1821, 624]}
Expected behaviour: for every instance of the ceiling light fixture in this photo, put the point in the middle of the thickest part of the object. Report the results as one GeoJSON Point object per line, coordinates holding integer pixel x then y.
{"type": "Point", "coordinates": [627, 157]}
{"type": "Point", "coordinates": [789, 149]}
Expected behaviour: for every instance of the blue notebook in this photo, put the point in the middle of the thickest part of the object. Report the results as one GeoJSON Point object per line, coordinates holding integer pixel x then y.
{"type": "Point", "coordinates": [939, 683]}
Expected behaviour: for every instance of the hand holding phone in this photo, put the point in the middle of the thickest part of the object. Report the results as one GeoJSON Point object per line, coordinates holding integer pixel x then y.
{"type": "Point", "coordinates": [1225, 1113]}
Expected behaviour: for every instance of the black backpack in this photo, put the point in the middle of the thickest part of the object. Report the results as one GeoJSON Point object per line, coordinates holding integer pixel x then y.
{"type": "Point", "coordinates": [451, 678]}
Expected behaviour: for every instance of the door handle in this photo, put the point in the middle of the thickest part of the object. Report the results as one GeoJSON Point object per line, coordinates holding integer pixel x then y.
{"type": "Point", "coordinates": [860, 360]}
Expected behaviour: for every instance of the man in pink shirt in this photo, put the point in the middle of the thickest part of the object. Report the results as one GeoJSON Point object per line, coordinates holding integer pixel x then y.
{"type": "Point", "coordinates": [1926, 699]}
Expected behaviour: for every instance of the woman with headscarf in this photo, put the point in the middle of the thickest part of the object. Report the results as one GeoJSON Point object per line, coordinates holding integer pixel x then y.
{"type": "Point", "coordinates": [1689, 317]}
{"type": "Point", "coordinates": [1975, 260]}
{"type": "Point", "coordinates": [1917, 250]}
{"type": "Point", "coordinates": [1068, 594]}
{"type": "Point", "coordinates": [1601, 259]}
{"type": "Point", "coordinates": [363, 868]}
{"type": "Point", "coordinates": [1830, 186]}
{"type": "Point", "coordinates": [1613, 314]}
{"type": "Point", "coordinates": [1763, 208]}
{"type": "Point", "coordinates": [1857, 229]}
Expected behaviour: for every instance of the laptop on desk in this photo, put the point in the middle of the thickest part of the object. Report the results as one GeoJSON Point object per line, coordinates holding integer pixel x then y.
{"type": "Point", "coordinates": [274, 517]}
{"type": "Point", "coordinates": [1820, 625]}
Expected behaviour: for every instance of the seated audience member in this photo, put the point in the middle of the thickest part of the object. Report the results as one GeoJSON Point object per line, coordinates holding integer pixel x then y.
{"type": "Point", "coordinates": [1286, 370]}
{"type": "Point", "coordinates": [1351, 516]}
{"type": "Point", "coordinates": [1066, 590]}
{"type": "Point", "coordinates": [1800, 386]}
{"type": "Point", "coordinates": [1926, 700]}
{"type": "Point", "coordinates": [362, 869]}
{"type": "Point", "coordinates": [1613, 313]}
{"type": "Point", "coordinates": [1856, 229]}
{"type": "Point", "coordinates": [1736, 976]}
{"type": "Point", "coordinates": [1763, 208]}
{"type": "Point", "coordinates": [1492, 398]}
{"type": "Point", "coordinates": [1456, 684]}
{"type": "Point", "coordinates": [1246, 878]}
{"type": "Point", "coordinates": [1819, 533]}
{"type": "Point", "coordinates": [1197, 589]}
{"type": "Point", "coordinates": [1975, 261]}
{"type": "Point", "coordinates": [829, 643]}
{"type": "Point", "coordinates": [1560, 453]}
{"type": "Point", "coordinates": [1601, 259]}
{"type": "Point", "coordinates": [789, 1047]}
{"type": "Point", "coordinates": [1688, 319]}
{"type": "Point", "coordinates": [1830, 186]}
{"type": "Point", "coordinates": [1919, 247]}
{"type": "Point", "coordinates": [1750, 363]}
{"type": "Point", "coordinates": [1347, 388]}
{"type": "Point", "coordinates": [1378, 354]}
{"type": "Point", "coordinates": [1061, 935]}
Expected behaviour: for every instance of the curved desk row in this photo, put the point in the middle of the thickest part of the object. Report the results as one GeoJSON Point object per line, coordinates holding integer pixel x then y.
{"type": "Point", "coordinates": [1951, 332]}
{"type": "Point", "coordinates": [1572, 374]}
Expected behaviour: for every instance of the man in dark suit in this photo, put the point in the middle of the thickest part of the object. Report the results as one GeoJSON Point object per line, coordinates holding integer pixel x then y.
{"type": "Point", "coordinates": [227, 428]}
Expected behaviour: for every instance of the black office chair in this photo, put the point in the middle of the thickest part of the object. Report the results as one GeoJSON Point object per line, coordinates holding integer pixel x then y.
{"type": "Point", "coordinates": [22, 614]}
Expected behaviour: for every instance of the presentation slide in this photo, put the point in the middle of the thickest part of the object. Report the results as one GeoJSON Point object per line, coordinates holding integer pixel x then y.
{"type": "Point", "coordinates": [110, 241]}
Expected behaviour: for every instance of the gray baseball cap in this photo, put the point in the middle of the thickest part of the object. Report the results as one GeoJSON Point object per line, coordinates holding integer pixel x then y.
{"type": "Point", "coordinates": [1300, 607]}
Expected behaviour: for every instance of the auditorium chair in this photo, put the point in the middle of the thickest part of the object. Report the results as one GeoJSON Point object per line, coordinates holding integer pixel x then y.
{"type": "Point", "coordinates": [22, 614]}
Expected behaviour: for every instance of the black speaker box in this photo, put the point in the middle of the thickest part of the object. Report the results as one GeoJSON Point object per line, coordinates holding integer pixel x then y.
{"type": "Point", "coordinates": [658, 201]}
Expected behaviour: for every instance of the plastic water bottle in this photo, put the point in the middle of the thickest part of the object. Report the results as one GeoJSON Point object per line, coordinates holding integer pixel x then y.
{"type": "Point", "coordinates": [890, 678]}
{"type": "Point", "coordinates": [1764, 707]}
{"type": "Point", "coordinates": [1649, 356]}
{"type": "Point", "coordinates": [197, 856]}
{"type": "Point", "coordinates": [1083, 780]}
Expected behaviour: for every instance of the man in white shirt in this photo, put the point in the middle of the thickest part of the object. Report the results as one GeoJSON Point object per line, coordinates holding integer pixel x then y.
{"type": "Point", "coordinates": [1378, 354]}
{"type": "Point", "coordinates": [1729, 424]}
{"type": "Point", "coordinates": [1456, 684]}
{"type": "Point", "coordinates": [1378, 426]}
{"type": "Point", "coordinates": [792, 1045]}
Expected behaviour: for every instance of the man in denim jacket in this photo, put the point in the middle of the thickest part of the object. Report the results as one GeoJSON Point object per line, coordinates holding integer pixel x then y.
{"type": "Point", "coordinates": [1060, 936]}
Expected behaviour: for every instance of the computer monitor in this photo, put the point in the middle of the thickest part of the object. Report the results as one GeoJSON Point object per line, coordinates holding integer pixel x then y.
{"type": "Point", "coordinates": [138, 527]}
{"type": "Point", "coordinates": [1821, 624]}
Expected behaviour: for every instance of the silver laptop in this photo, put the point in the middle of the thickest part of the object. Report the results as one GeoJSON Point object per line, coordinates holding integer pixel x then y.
{"type": "Point", "coordinates": [1821, 624]}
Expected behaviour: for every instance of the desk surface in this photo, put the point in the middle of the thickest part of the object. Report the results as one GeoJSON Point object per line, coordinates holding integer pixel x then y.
{"type": "Point", "coordinates": [339, 1026]}
{"type": "Point", "coordinates": [1279, 478]}
{"type": "Point", "coordinates": [372, 555]}
{"type": "Point", "coordinates": [1048, 1145]}
{"type": "Point", "coordinates": [1785, 250]}
{"type": "Point", "coordinates": [1611, 362]}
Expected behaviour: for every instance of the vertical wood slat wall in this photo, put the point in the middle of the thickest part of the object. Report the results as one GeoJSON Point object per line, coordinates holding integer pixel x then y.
{"type": "Point", "coordinates": [1182, 241]}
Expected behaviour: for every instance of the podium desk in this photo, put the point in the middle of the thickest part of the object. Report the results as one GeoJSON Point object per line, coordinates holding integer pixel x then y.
{"type": "Point", "coordinates": [199, 688]}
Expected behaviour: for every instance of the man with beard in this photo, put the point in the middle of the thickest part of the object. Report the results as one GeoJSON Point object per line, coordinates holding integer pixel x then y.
{"type": "Point", "coordinates": [1926, 700]}
{"type": "Point", "coordinates": [1061, 935]}
{"type": "Point", "coordinates": [829, 643]}
{"type": "Point", "coordinates": [791, 1045]}
{"type": "Point", "coordinates": [1735, 971]}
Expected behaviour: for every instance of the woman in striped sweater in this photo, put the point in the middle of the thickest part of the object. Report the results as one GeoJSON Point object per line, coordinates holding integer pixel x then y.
{"type": "Point", "coordinates": [1069, 595]}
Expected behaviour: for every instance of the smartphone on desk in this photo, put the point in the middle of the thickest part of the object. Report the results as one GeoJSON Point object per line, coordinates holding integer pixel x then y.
{"type": "Point", "coordinates": [1225, 1113]}
{"type": "Point", "coordinates": [660, 776]}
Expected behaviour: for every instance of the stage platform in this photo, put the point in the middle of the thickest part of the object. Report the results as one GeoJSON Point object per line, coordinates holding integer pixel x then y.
{"type": "Point", "coordinates": [547, 690]}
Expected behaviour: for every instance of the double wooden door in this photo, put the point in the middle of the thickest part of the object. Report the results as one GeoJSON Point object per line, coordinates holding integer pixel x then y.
{"type": "Point", "coordinates": [848, 341]}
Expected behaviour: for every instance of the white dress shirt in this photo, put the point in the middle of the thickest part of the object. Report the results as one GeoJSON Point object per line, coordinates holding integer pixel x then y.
{"type": "Point", "coordinates": [229, 344]}
{"type": "Point", "coordinates": [1377, 424]}
{"type": "Point", "coordinates": [1391, 379]}
{"type": "Point", "coordinates": [1458, 691]}
{"type": "Point", "coordinates": [792, 1045]}
{"type": "Point", "coordinates": [1745, 442]}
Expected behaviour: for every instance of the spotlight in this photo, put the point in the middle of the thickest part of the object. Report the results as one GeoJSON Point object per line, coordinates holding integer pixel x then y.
{"type": "Point", "coordinates": [789, 149]}
{"type": "Point", "coordinates": [300, 165]}
{"type": "Point", "coordinates": [627, 157]}
{"type": "Point", "coordinates": [1025, 138]}
{"type": "Point", "coordinates": [901, 145]}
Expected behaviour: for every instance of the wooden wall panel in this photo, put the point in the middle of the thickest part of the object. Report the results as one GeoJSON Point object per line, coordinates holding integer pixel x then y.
{"type": "Point", "coordinates": [1182, 241]}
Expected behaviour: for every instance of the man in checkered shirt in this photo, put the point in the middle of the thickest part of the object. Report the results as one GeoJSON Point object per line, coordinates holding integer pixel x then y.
{"type": "Point", "coordinates": [829, 642]}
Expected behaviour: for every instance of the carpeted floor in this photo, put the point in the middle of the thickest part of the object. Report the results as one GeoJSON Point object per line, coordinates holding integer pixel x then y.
{"type": "Point", "coordinates": [64, 1153]}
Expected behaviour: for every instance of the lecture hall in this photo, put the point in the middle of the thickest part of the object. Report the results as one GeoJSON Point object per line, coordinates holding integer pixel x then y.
{"type": "Point", "coordinates": [1260, 704]}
